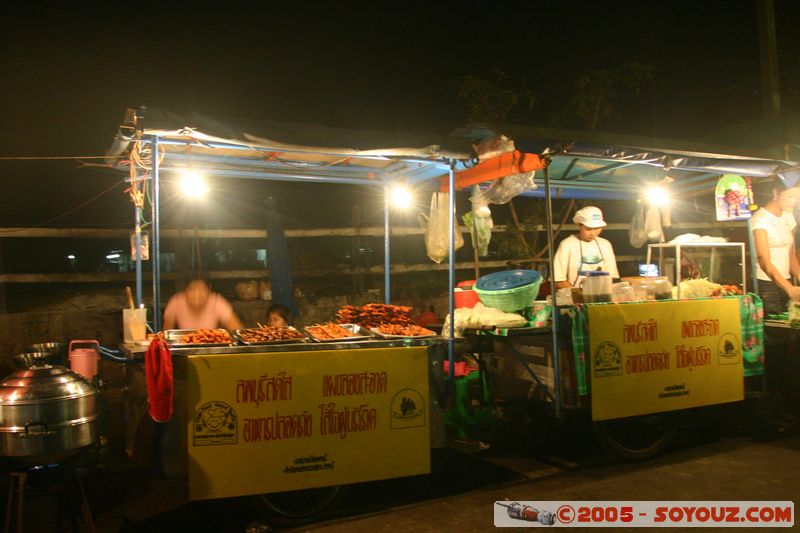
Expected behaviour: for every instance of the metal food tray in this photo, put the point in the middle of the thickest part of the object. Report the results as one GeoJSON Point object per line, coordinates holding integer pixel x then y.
{"type": "Point", "coordinates": [359, 334]}
{"type": "Point", "coordinates": [173, 337]}
{"type": "Point", "coordinates": [376, 331]}
{"type": "Point", "coordinates": [238, 336]}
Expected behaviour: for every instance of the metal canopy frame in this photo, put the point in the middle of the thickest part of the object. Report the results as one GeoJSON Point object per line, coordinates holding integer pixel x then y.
{"type": "Point", "coordinates": [245, 160]}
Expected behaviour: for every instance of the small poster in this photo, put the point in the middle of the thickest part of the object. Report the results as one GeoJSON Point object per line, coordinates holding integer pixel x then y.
{"type": "Point", "coordinates": [733, 195]}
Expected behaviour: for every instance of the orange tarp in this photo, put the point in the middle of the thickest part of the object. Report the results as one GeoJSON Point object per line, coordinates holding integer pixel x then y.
{"type": "Point", "coordinates": [495, 168]}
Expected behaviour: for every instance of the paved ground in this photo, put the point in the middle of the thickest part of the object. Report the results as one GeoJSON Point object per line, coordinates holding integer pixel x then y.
{"type": "Point", "coordinates": [458, 497]}
{"type": "Point", "coordinates": [734, 469]}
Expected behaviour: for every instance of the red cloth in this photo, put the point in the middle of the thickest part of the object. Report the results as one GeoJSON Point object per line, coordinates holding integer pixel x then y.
{"type": "Point", "coordinates": [158, 369]}
{"type": "Point", "coordinates": [461, 368]}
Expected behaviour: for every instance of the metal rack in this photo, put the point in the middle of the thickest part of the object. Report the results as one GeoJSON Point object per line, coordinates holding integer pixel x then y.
{"type": "Point", "coordinates": [678, 246]}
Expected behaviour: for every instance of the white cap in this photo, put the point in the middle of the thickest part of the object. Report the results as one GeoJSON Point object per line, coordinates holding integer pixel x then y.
{"type": "Point", "coordinates": [591, 217]}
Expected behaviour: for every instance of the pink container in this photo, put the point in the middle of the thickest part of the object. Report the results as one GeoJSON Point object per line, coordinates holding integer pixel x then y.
{"type": "Point", "coordinates": [84, 360]}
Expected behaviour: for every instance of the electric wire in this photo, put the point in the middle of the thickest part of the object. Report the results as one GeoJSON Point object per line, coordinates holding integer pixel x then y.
{"type": "Point", "coordinates": [69, 212]}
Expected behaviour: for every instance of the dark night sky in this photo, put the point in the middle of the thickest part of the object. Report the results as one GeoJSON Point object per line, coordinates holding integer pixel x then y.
{"type": "Point", "coordinates": [69, 70]}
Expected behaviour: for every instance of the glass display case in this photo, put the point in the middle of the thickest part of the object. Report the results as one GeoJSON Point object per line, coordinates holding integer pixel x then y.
{"type": "Point", "coordinates": [718, 256]}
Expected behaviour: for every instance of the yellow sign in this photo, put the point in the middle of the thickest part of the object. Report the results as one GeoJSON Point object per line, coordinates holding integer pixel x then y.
{"type": "Point", "coordinates": [274, 422]}
{"type": "Point", "coordinates": [663, 356]}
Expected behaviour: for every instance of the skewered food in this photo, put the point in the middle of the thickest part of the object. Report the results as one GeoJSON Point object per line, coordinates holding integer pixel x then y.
{"type": "Point", "coordinates": [329, 330]}
{"type": "Point", "coordinates": [268, 334]}
{"type": "Point", "coordinates": [372, 315]}
{"type": "Point", "coordinates": [206, 336]}
{"type": "Point", "coordinates": [408, 330]}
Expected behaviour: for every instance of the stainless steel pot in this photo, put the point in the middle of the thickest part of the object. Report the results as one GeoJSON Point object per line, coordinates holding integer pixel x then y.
{"type": "Point", "coordinates": [47, 415]}
{"type": "Point", "coordinates": [31, 359]}
{"type": "Point", "coordinates": [57, 349]}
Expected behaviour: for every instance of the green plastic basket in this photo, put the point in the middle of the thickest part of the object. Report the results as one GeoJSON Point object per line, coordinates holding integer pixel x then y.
{"type": "Point", "coordinates": [510, 299]}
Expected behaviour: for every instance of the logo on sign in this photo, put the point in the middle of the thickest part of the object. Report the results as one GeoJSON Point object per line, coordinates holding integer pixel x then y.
{"type": "Point", "coordinates": [214, 424]}
{"type": "Point", "coordinates": [729, 349]}
{"type": "Point", "coordinates": [408, 409]}
{"type": "Point", "coordinates": [607, 360]}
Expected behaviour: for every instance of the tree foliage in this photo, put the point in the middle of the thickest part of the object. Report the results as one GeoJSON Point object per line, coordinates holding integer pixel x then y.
{"type": "Point", "coordinates": [597, 90]}
{"type": "Point", "coordinates": [490, 98]}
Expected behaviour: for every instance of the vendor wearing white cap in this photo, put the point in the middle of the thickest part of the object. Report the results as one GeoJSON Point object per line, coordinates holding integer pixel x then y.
{"type": "Point", "coordinates": [584, 251]}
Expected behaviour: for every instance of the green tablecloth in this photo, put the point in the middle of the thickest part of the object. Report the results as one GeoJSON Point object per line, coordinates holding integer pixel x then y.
{"type": "Point", "coordinates": [752, 317]}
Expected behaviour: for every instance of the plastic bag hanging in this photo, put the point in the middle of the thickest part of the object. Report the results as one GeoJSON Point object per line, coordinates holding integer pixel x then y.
{"type": "Point", "coordinates": [637, 235]}
{"type": "Point", "coordinates": [652, 225]}
{"type": "Point", "coordinates": [479, 222]}
{"type": "Point", "coordinates": [504, 189]}
{"type": "Point", "coordinates": [437, 228]}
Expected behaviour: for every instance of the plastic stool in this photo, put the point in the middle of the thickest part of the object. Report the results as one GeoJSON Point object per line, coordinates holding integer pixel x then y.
{"type": "Point", "coordinates": [461, 414]}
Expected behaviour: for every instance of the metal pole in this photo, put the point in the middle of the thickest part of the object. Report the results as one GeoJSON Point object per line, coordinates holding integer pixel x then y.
{"type": "Point", "coordinates": [137, 215]}
{"type": "Point", "coordinates": [556, 313]}
{"type": "Point", "coordinates": [155, 256]}
{"type": "Point", "coordinates": [451, 271]}
{"type": "Point", "coordinates": [386, 251]}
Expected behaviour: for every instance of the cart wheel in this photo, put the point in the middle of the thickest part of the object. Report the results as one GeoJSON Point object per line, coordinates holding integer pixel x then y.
{"type": "Point", "coordinates": [299, 506]}
{"type": "Point", "coordinates": [637, 438]}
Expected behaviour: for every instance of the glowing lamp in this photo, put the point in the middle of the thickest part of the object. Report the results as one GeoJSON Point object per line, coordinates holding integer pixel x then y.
{"type": "Point", "coordinates": [193, 185]}
{"type": "Point", "coordinates": [657, 196]}
{"type": "Point", "coordinates": [400, 197]}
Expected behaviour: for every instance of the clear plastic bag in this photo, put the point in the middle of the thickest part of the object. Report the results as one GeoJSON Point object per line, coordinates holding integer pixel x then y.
{"type": "Point", "coordinates": [480, 224]}
{"type": "Point", "coordinates": [652, 225]}
{"type": "Point", "coordinates": [637, 235]}
{"type": "Point", "coordinates": [504, 189]}
{"type": "Point", "coordinates": [437, 228]}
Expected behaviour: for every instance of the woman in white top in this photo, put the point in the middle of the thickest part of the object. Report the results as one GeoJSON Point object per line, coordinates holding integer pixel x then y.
{"type": "Point", "coordinates": [585, 250]}
{"type": "Point", "coordinates": [773, 232]}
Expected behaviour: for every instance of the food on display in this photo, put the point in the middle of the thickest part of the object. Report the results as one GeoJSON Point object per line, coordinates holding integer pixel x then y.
{"type": "Point", "coordinates": [206, 336]}
{"type": "Point", "coordinates": [268, 334]}
{"type": "Point", "coordinates": [373, 315]}
{"type": "Point", "coordinates": [728, 290]}
{"type": "Point", "coordinates": [407, 330]}
{"type": "Point", "coordinates": [702, 288]}
{"type": "Point", "coordinates": [329, 330]}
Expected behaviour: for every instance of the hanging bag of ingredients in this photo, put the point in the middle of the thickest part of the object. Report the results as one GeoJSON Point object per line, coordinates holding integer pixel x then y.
{"type": "Point", "coordinates": [437, 228]}
{"type": "Point", "coordinates": [636, 232]}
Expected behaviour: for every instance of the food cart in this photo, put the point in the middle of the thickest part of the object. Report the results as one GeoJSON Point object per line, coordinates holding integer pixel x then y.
{"type": "Point", "coordinates": [265, 420]}
{"type": "Point", "coordinates": [632, 366]}
{"type": "Point", "coordinates": [271, 418]}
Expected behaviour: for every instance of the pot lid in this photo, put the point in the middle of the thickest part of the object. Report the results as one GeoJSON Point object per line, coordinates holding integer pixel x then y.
{"type": "Point", "coordinates": [43, 383]}
{"type": "Point", "coordinates": [508, 279]}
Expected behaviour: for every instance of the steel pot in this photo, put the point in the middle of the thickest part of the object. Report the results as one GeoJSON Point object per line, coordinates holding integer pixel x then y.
{"type": "Point", "coordinates": [57, 349]}
{"type": "Point", "coordinates": [31, 359]}
{"type": "Point", "coordinates": [47, 415]}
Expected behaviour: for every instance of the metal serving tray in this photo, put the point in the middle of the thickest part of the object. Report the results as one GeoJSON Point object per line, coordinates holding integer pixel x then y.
{"type": "Point", "coordinates": [238, 336]}
{"type": "Point", "coordinates": [359, 334]}
{"type": "Point", "coordinates": [173, 337]}
{"type": "Point", "coordinates": [377, 332]}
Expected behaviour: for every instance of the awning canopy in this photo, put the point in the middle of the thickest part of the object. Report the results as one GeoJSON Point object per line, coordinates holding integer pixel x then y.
{"type": "Point", "coordinates": [599, 165]}
{"type": "Point", "coordinates": [290, 152]}
{"type": "Point", "coordinates": [581, 164]}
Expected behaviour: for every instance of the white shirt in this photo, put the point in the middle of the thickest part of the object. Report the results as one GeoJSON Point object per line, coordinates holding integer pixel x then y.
{"type": "Point", "coordinates": [568, 259]}
{"type": "Point", "coordinates": [779, 238]}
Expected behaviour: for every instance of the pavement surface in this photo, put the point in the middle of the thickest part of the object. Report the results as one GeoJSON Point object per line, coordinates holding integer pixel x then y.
{"type": "Point", "coordinates": [458, 496]}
